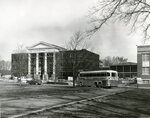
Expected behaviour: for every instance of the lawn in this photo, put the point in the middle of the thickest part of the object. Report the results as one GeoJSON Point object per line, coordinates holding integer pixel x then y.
{"type": "Point", "coordinates": [15, 99]}
{"type": "Point", "coordinates": [130, 104]}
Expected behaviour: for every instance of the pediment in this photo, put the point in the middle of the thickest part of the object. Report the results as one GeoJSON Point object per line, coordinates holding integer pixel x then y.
{"type": "Point", "coordinates": [43, 46]}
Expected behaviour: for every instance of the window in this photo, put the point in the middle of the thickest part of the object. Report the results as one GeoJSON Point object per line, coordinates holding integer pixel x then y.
{"type": "Point", "coordinates": [145, 71]}
{"type": "Point", "coordinates": [145, 57]}
{"type": "Point", "coordinates": [145, 60]}
{"type": "Point", "coordinates": [146, 81]}
{"type": "Point", "coordinates": [113, 74]}
{"type": "Point", "coordinates": [102, 74]}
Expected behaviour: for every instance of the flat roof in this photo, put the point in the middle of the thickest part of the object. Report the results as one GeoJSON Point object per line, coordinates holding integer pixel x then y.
{"type": "Point", "coordinates": [143, 45]}
{"type": "Point", "coordinates": [97, 71]}
{"type": "Point", "coordinates": [124, 64]}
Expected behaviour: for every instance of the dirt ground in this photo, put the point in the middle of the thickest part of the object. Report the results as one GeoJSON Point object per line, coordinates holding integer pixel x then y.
{"type": "Point", "coordinates": [15, 99]}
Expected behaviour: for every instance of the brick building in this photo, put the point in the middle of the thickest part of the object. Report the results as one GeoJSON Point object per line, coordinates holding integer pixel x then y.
{"type": "Point", "coordinates": [143, 62]}
{"type": "Point", "coordinates": [46, 61]}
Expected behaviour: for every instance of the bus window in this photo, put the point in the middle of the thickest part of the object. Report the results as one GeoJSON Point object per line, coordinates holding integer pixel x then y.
{"type": "Point", "coordinates": [107, 74]}
{"type": "Point", "coordinates": [82, 75]}
{"type": "Point", "coordinates": [113, 74]}
{"type": "Point", "coordinates": [103, 74]}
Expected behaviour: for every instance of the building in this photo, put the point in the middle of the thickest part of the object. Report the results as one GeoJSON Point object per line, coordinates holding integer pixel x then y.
{"type": "Point", "coordinates": [50, 62]}
{"type": "Point", "coordinates": [143, 62]}
{"type": "Point", "coordinates": [105, 68]}
{"type": "Point", "coordinates": [125, 70]}
{"type": "Point", "coordinates": [84, 59]}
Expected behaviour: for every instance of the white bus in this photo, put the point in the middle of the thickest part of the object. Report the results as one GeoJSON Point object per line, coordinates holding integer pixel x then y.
{"type": "Point", "coordinates": [101, 78]}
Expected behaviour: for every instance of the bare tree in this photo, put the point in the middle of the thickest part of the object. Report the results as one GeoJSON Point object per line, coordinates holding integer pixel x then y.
{"type": "Point", "coordinates": [20, 48]}
{"type": "Point", "coordinates": [19, 61]}
{"type": "Point", "coordinates": [133, 12]}
{"type": "Point", "coordinates": [77, 42]}
{"type": "Point", "coordinates": [5, 65]}
{"type": "Point", "coordinates": [107, 61]}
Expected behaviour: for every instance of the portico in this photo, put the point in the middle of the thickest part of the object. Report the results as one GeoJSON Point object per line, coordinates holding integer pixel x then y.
{"type": "Point", "coordinates": [38, 56]}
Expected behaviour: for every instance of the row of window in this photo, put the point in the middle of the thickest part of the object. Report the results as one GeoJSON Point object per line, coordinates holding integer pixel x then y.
{"type": "Point", "coordinates": [94, 74]}
{"type": "Point", "coordinates": [104, 74]}
{"type": "Point", "coordinates": [146, 81]}
{"type": "Point", "coordinates": [128, 68]}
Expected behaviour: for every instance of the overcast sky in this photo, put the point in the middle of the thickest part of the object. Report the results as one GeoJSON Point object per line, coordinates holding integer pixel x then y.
{"type": "Point", "coordinates": [29, 21]}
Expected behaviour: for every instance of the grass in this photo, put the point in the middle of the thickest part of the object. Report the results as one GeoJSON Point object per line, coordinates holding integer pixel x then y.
{"type": "Point", "coordinates": [16, 99]}
{"type": "Point", "coordinates": [130, 104]}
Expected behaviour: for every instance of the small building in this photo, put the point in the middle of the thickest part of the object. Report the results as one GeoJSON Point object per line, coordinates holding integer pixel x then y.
{"type": "Point", "coordinates": [105, 68]}
{"type": "Point", "coordinates": [50, 62]}
{"type": "Point", "coordinates": [143, 62]}
{"type": "Point", "coordinates": [125, 70]}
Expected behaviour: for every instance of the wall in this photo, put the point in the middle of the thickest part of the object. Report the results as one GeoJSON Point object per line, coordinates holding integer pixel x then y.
{"type": "Point", "coordinates": [145, 49]}
{"type": "Point", "coordinates": [19, 64]}
{"type": "Point", "coordinates": [83, 59]}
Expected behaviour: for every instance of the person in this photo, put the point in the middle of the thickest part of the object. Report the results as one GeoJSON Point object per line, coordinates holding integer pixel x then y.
{"type": "Point", "coordinates": [135, 81]}
{"type": "Point", "coordinates": [19, 81]}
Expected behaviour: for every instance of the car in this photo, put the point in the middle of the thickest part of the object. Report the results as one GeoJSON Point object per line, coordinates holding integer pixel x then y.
{"type": "Point", "coordinates": [34, 82]}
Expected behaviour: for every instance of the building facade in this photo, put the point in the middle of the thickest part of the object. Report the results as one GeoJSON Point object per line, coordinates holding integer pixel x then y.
{"type": "Point", "coordinates": [143, 62]}
{"type": "Point", "coordinates": [125, 70]}
{"type": "Point", "coordinates": [50, 62]}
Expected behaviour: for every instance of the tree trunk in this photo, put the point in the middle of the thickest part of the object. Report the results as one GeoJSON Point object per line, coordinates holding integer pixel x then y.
{"type": "Point", "coordinates": [74, 73]}
{"type": "Point", "coordinates": [73, 76]}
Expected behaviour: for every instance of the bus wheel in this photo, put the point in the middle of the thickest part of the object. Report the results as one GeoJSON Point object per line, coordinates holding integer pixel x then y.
{"type": "Point", "coordinates": [109, 87]}
{"type": "Point", "coordinates": [96, 84]}
{"type": "Point", "coordinates": [100, 84]}
{"type": "Point", "coordinates": [80, 84]}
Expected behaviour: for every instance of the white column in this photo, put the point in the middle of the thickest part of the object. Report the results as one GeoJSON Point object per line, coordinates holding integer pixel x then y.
{"type": "Point", "coordinates": [45, 75]}
{"type": "Point", "coordinates": [54, 66]}
{"type": "Point", "coordinates": [37, 63]}
{"type": "Point", "coordinates": [29, 64]}
{"type": "Point", "coordinates": [45, 63]}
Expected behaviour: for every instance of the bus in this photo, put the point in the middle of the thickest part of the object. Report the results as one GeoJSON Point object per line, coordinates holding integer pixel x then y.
{"type": "Point", "coordinates": [101, 78]}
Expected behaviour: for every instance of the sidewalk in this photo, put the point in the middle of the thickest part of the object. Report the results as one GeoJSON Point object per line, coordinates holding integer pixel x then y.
{"type": "Point", "coordinates": [140, 86]}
